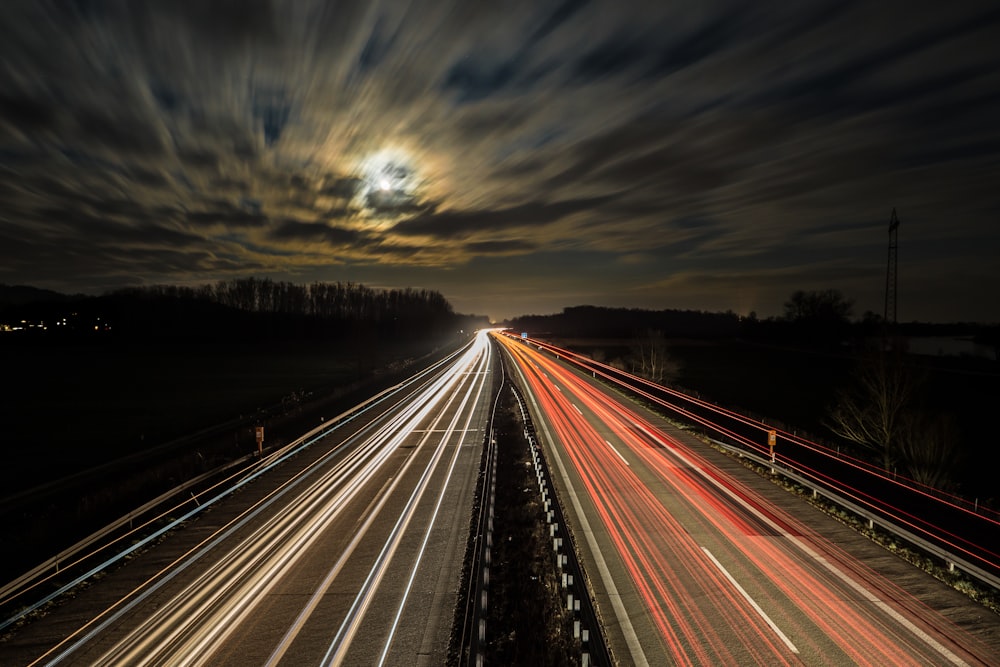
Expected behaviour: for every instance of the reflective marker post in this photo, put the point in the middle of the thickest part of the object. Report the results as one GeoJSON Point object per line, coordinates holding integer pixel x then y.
{"type": "Point", "coordinates": [772, 438]}
{"type": "Point", "coordinates": [260, 440]}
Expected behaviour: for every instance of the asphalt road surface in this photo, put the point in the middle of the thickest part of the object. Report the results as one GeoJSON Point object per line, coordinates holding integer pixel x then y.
{"type": "Point", "coordinates": [694, 560]}
{"type": "Point", "coordinates": [349, 552]}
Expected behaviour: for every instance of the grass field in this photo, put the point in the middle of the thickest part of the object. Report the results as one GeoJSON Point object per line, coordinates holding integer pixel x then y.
{"type": "Point", "coordinates": [795, 388]}
{"type": "Point", "coordinates": [67, 407]}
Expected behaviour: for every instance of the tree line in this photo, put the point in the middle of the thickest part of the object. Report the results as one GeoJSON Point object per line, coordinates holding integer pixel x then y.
{"type": "Point", "coordinates": [605, 322]}
{"type": "Point", "coordinates": [338, 301]}
{"type": "Point", "coordinates": [248, 309]}
{"type": "Point", "coordinates": [889, 410]}
{"type": "Point", "coordinates": [810, 318]}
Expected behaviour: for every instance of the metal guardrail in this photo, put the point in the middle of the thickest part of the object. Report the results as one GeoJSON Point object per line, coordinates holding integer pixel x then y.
{"type": "Point", "coordinates": [48, 568]}
{"type": "Point", "coordinates": [952, 560]}
{"type": "Point", "coordinates": [587, 629]}
{"type": "Point", "coordinates": [873, 519]}
{"type": "Point", "coordinates": [472, 640]}
{"type": "Point", "coordinates": [53, 563]}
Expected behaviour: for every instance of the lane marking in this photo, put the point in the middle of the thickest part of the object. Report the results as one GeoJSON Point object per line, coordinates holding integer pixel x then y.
{"type": "Point", "coordinates": [624, 622]}
{"type": "Point", "coordinates": [619, 454]}
{"type": "Point", "coordinates": [833, 569]}
{"type": "Point", "coordinates": [577, 409]}
{"type": "Point", "coordinates": [432, 524]}
{"type": "Point", "coordinates": [442, 430]}
{"type": "Point", "coordinates": [871, 597]}
{"type": "Point", "coordinates": [753, 603]}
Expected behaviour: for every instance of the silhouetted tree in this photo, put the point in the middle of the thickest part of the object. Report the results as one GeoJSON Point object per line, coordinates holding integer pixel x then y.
{"type": "Point", "coordinates": [622, 323]}
{"type": "Point", "coordinates": [264, 308]}
{"type": "Point", "coordinates": [871, 412]}
{"type": "Point", "coordinates": [928, 448]}
{"type": "Point", "coordinates": [819, 316]}
{"type": "Point", "coordinates": [650, 358]}
{"type": "Point", "coordinates": [881, 413]}
{"type": "Point", "coordinates": [827, 306]}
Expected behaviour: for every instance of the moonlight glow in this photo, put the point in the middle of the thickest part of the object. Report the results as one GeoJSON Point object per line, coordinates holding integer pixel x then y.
{"type": "Point", "coordinates": [518, 157]}
{"type": "Point", "coordinates": [390, 187]}
{"type": "Point", "coordinates": [388, 171]}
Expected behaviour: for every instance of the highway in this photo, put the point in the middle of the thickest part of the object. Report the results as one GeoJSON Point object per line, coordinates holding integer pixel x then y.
{"type": "Point", "coordinates": [962, 528]}
{"type": "Point", "coordinates": [690, 565]}
{"type": "Point", "coordinates": [349, 551]}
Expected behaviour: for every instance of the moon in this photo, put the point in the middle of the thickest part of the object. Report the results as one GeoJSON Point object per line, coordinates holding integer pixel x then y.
{"type": "Point", "coordinates": [388, 171]}
{"type": "Point", "coordinates": [390, 184]}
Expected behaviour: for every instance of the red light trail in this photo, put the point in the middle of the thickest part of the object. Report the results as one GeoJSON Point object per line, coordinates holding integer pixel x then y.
{"type": "Point", "coordinates": [948, 520]}
{"type": "Point", "coordinates": [723, 576]}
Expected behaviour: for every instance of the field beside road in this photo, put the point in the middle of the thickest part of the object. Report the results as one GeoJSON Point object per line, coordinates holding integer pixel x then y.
{"type": "Point", "coordinates": [72, 406]}
{"type": "Point", "coordinates": [793, 388]}
{"type": "Point", "coordinates": [92, 431]}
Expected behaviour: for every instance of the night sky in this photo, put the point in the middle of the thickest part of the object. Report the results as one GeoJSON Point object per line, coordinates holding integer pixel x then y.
{"type": "Point", "coordinates": [519, 157]}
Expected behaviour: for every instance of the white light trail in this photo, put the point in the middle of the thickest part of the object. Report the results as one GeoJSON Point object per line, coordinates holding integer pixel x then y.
{"type": "Point", "coordinates": [189, 628]}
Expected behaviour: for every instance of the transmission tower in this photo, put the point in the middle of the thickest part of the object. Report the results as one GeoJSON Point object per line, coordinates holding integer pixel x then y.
{"type": "Point", "coordinates": [891, 277]}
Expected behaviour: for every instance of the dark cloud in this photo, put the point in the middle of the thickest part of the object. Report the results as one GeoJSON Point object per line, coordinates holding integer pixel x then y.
{"type": "Point", "coordinates": [27, 114]}
{"type": "Point", "coordinates": [118, 133]}
{"type": "Point", "coordinates": [225, 24]}
{"type": "Point", "coordinates": [463, 224]}
{"type": "Point", "coordinates": [393, 203]}
{"type": "Point", "coordinates": [377, 47]}
{"type": "Point", "coordinates": [613, 56]}
{"type": "Point", "coordinates": [558, 13]}
{"type": "Point", "coordinates": [297, 231]}
{"type": "Point", "coordinates": [198, 158]}
{"type": "Point", "coordinates": [229, 216]}
{"type": "Point", "coordinates": [518, 246]}
{"type": "Point", "coordinates": [712, 36]}
{"type": "Point", "coordinates": [272, 109]}
{"type": "Point", "coordinates": [477, 79]}
{"type": "Point", "coordinates": [640, 54]}
{"type": "Point", "coordinates": [343, 187]}
{"type": "Point", "coordinates": [712, 154]}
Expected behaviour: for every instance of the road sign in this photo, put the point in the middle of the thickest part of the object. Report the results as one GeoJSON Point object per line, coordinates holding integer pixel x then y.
{"type": "Point", "coordinates": [260, 439]}
{"type": "Point", "coordinates": [772, 439]}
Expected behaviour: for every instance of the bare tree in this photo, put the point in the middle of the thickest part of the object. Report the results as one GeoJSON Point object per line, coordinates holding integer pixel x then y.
{"type": "Point", "coordinates": [880, 413]}
{"type": "Point", "coordinates": [929, 449]}
{"type": "Point", "coordinates": [650, 358]}
{"type": "Point", "coordinates": [872, 412]}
